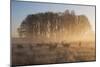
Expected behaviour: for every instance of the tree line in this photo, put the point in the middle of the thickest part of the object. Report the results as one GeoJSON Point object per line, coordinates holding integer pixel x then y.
{"type": "Point", "coordinates": [49, 23]}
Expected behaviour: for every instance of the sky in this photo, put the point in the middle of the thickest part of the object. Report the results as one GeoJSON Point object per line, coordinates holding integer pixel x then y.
{"type": "Point", "coordinates": [19, 10]}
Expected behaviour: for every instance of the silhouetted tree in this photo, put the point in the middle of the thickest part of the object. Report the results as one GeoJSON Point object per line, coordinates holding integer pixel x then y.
{"type": "Point", "coordinates": [48, 24]}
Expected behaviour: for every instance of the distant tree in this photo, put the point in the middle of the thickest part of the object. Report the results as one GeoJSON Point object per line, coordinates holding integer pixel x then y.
{"type": "Point", "coordinates": [51, 24]}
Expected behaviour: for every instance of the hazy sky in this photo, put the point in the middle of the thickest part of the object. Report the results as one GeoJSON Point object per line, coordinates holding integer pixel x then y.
{"type": "Point", "coordinates": [19, 10]}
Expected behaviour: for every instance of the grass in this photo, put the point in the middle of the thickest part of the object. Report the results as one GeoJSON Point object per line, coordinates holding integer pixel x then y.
{"type": "Point", "coordinates": [44, 53]}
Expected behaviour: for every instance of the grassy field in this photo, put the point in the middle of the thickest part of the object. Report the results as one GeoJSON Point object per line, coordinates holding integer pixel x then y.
{"type": "Point", "coordinates": [25, 53]}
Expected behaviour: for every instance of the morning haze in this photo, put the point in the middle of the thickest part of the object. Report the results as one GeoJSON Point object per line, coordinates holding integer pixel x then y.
{"type": "Point", "coordinates": [47, 33]}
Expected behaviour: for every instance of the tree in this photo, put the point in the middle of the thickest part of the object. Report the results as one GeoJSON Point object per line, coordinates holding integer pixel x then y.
{"type": "Point", "coordinates": [51, 24]}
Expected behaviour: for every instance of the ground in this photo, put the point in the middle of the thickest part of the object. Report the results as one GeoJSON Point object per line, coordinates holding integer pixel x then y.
{"type": "Point", "coordinates": [26, 53]}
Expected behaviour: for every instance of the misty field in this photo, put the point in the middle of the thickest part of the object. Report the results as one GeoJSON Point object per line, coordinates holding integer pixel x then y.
{"type": "Point", "coordinates": [25, 52]}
